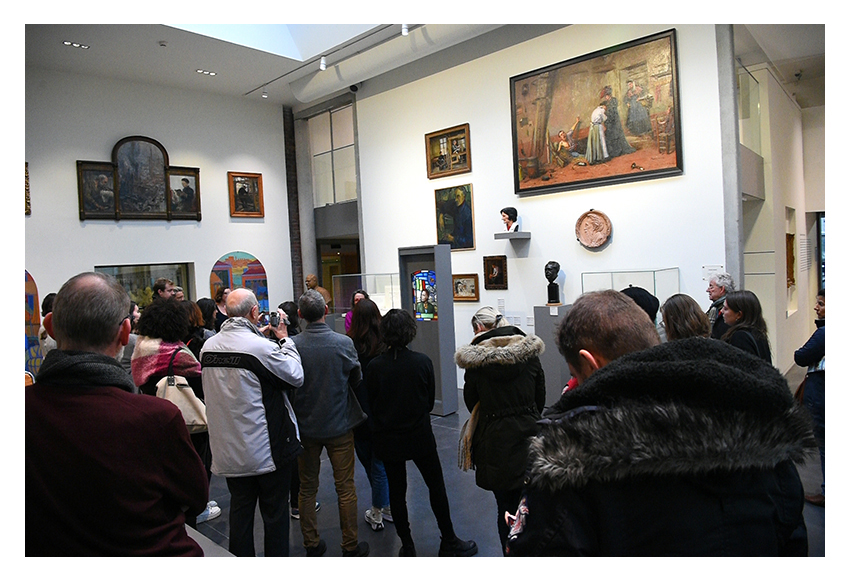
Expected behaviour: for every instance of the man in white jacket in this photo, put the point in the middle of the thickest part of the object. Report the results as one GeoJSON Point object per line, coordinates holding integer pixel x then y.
{"type": "Point", "coordinates": [254, 434]}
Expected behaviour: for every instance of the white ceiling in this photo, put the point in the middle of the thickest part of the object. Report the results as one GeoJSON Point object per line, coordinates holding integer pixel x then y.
{"type": "Point", "coordinates": [169, 56]}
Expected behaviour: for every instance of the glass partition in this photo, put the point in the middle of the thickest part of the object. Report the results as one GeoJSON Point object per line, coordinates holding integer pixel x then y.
{"type": "Point", "coordinates": [661, 283]}
{"type": "Point", "coordinates": [748, 111]}
{"type": "Point", "coordinates": [383, 289]}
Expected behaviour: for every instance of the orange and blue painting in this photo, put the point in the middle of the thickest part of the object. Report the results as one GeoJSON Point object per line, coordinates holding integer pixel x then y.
{"type": "Point", "coordinates": [32, 323]}
{"type": "Point", "coordinates": [240, 269]}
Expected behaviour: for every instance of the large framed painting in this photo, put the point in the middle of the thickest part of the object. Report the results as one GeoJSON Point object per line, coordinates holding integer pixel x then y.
{"type": "Point", "coordinates": [455, 218]}
{"type": "Point", "coordinates": [141, 163]}
{"type": "Point", "coordinates": [246, 194]}
{"type": "Point", "coordinates": [448, 152]}
{"type": "Point", "coordinates": [607, 117]}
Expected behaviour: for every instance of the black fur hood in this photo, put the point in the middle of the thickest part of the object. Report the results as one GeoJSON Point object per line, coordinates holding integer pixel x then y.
{"type": "Point", "coordinates": [502, 345]}
{"type": "Point", "coordinates": [681, 408]}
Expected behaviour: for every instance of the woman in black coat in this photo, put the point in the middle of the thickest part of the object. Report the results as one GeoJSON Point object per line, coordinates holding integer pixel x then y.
{"type": "Point", "coordinates": [748, 330]}
{"type": "Point", "coordinates": [505, 390]}
{"type": "Point", "coordinates": [401, 391]}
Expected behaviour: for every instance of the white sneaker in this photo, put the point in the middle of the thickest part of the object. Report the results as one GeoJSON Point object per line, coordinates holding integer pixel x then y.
{"type": "Point", "coordinates": [208, 514]}
{"type": "Point", "coordinates": [388, 515]}
{"type": "Point", "coordinates": [375, 519]}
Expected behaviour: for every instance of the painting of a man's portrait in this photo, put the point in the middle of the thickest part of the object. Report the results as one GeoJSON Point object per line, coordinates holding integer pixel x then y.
{"type": "Point", "coordinates": [455, 217]}
{"type": "Point", "coordinates": [246, 194]}
{"type": "Point", "coordinates": [607, 117]}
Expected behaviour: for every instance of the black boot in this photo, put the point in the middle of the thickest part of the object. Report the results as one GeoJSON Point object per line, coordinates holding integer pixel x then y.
{"type": "Point", "coordinates": [457, 548]}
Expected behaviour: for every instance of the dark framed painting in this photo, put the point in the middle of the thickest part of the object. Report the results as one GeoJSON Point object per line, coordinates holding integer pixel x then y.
{"type": "Point", "coordinates": [455, 218]}
{"type": "Point", "coordinates": [608, 117]}
{"type": "Point", "coordinates": [140, 163]}
{"type": "Point", "coordinates": [465, 287]}
{"type": "Point", "coordinates": [448, 152]}
{"type": "Point", "coordinates": [246, 194]}
{"type": "Point", "coordinates": [496, 272]}
{"type": "Point", "coordinates": [184, 191]}
{"type": "Point", "coordinates": [96, 190]}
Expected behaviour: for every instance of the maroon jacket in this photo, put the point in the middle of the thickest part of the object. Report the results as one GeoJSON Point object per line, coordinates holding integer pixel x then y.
{"type": "Point", "coordinates": [108, 473]}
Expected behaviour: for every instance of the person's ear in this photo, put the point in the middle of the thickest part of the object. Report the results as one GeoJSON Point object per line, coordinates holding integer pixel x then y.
{"type": "Point", "coordinates": [589, 363]}
{"type": "Point", "coordinates": [124, 332]}
{"type": "Point", "coordinates": [326, 309]}
{"type": "Point", "coordinates": [48, 324]}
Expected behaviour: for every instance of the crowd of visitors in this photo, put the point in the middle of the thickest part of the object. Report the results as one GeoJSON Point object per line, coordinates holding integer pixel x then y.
{"type": "Point", "coordinates": [675, 435]}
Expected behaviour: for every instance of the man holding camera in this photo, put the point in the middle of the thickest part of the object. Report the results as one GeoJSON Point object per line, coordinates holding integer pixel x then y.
{"type": "Point", "coordinates": [253, 431]}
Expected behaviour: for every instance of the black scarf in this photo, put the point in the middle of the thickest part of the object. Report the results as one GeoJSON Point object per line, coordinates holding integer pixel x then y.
{"type": "Point", "coordinates": [68, 368]}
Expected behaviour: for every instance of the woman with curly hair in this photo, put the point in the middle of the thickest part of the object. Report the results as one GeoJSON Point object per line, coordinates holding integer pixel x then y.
{"type": "Point", "coordinates": [401, 391]}
{"type": "Point", "coordinates": [747, 328]}
{"type": "Point", "coordinates": [683, 317]}
{"type": "Point", "coordinates": [162, 328]}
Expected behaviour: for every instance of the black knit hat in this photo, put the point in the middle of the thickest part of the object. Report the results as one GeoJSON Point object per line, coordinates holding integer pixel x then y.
{"type": "Point", "coordinates": [645, 300]}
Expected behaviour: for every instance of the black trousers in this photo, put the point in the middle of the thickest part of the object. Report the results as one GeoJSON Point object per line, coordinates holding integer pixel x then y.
{"type": "Point", "coordinates": [506, 501]}
{"type": "Point", "coordinates": [271, 490]}
{"type": "Point", "coordinates": [428, 463]}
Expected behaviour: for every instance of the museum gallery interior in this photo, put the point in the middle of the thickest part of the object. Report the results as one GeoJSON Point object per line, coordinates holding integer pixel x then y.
{"type": "Point", "coordinates": [382, 156]}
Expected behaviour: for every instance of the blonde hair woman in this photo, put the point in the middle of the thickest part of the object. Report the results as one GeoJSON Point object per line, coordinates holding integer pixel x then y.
{"type": "Point", "coordinates": [505, 390]}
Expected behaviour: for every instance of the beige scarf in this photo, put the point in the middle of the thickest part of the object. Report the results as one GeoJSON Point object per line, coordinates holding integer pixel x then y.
{"type": "Point", "coordinates": [464, 448]}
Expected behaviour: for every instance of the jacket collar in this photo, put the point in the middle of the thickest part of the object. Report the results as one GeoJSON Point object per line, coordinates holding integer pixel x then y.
{"type": "Point", "coordinates": [502, 346]}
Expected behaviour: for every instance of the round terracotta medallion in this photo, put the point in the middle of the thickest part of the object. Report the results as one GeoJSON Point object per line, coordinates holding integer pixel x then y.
{"type": "Point", "coordinates": [593, 229]}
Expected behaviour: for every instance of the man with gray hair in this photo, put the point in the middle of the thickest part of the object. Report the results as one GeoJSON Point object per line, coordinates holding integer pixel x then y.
{"type": "Point", "coordinates": [718, 285]}
{"type": "Point", "coordinates": [327, 413]}
{"type": "Point", "coordinates": [108, 472]}
{"type": "Point", "coordinates": [253, 430]}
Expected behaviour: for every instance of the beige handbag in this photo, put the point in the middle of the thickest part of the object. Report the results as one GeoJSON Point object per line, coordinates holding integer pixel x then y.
{"type": "Point", "coordinates": [176, 390]}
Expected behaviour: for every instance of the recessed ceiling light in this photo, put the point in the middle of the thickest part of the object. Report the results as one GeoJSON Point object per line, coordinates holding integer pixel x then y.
{"type": "Point", "coordinates": [75, 44]}
{"type": "Point", "coordinates": [203, 72]}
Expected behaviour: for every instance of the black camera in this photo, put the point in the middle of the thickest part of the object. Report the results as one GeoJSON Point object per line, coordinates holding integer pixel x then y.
{"type": "Point", "coordinates": [274, 319]}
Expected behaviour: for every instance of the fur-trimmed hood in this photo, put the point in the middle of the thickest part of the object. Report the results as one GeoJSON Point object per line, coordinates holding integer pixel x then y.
{"type": "Point", "coordinates": [502, 346]}
{"type": "Point", "coordinates": [682, 408]}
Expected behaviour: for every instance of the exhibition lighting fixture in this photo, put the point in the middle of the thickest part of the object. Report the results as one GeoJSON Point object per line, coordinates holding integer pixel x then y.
{"type": "Point", "coordinates": [323, 64]}
{"type": "Point", "coordinates": [404, 30]}
{"type": "Point", "coordinates": [265, 94]}
{"type": "Point", "coordinates": [203, 72]}
{"type": "Point", "coordinates": [75, 44]}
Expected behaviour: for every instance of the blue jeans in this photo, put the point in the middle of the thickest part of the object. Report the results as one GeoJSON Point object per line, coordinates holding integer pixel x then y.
{"type": "Point", "coordinates": [374, 471]}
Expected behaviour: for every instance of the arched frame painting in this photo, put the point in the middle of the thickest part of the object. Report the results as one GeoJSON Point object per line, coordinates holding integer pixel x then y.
{"type": "Point", "coordinates": [240, 269]}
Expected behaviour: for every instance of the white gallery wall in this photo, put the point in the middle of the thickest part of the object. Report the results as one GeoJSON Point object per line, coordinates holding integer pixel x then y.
{"type": "Point", "coordinates": [72, 117]}
{"type": "Point", "coordinates": [657, 224]}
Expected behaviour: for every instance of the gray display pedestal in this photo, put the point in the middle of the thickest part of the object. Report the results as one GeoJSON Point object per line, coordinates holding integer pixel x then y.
{"type": "Point", "coordinates": [436, 339]}
{"type": "Point", "coordinates": [546, 320]}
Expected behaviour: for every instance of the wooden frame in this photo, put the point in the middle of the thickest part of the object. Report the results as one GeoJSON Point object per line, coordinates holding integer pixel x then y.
{"type": "Point", "coordinates": [448, 152]}
{"type": "Point", "coordinates": [632, 89]}
{"type": "Point", "coordinates": [246, 194]}
{"type": "Point", "coordinates": [465, 287]}
{"type": "Point", "coordinates": [136, 184]}
{"type": "Point", "coordinates": [496, 272]}
{"type": "Point", "coordinates": [455, 217]}
{"type": "Point", "coordinates": [96, 190]}
{"type": "Point", "coordinates": [184, 189]}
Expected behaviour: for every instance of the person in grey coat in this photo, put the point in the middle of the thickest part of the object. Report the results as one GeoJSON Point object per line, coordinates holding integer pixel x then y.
{"type": "Point", "coordinates": [327, 412]}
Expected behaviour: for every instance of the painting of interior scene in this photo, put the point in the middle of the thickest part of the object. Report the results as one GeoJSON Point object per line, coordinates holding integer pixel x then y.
{"type": "Point", "coordinates": [611, 117]}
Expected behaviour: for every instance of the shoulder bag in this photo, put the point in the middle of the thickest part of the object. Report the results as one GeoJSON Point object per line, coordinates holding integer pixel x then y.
{"type": "Point", "coordinates": [176, 390]}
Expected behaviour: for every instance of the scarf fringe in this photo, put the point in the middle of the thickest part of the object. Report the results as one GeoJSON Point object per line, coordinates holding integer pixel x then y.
{"type": "Point", "coordinates": [464, 448]}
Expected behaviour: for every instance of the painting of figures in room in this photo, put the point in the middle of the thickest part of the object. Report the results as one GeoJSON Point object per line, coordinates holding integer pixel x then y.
{"type": "Point", "coordinates": [607, 117]}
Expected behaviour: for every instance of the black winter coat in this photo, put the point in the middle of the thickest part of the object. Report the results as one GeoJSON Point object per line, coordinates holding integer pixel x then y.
{"type": "Point", "coordinates": [504, 374]}
{"type": "Point", "coordinates": [687, 448]}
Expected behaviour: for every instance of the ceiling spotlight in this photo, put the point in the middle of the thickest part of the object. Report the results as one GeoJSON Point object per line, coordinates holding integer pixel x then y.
{"type": "Point", "coordinates": [75, 44]}
{"type": "Point", "coordinates": [323, 64]}
{"type": "Point", "coordinates": [203, 72]}
{"type": "Point", "coordinates": [265, 95]}
{"type": "Point", "coordinates": [404, 30]}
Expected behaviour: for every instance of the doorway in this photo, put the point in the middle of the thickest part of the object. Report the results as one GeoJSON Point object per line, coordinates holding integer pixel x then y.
{"type": "Point", "coordinates": [339, 257]}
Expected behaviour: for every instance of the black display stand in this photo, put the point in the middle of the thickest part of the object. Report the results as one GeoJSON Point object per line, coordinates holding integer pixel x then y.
{"type": "Point", "coordinates": [435, 338]}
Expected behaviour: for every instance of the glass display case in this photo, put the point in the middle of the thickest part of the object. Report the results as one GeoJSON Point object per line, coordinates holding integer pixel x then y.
{"type": "Point", "coordinates": [383, 289]}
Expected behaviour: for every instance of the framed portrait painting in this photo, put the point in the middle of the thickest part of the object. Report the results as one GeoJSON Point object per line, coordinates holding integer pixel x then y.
{"type": "Point", "coordinates": [448, 152]}
{"type": "Point", "coordinates": [96, 190]}
{"type": "Point", "coordinates": [608, 117]}
{"type": "Point", "coordinates": [465, 287]}
{"type": "Point", "coordinates": [455, 219]}
{"type": "Point", "coordinates": [496, 272]}
{"type": "Point", "coordinates": [246, 194]}
{"type": "Point", "coordinates": [184, 188]}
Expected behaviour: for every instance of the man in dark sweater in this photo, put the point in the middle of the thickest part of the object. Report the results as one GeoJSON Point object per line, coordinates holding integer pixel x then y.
{"type": "Point", "coordinates": [108, 472]}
